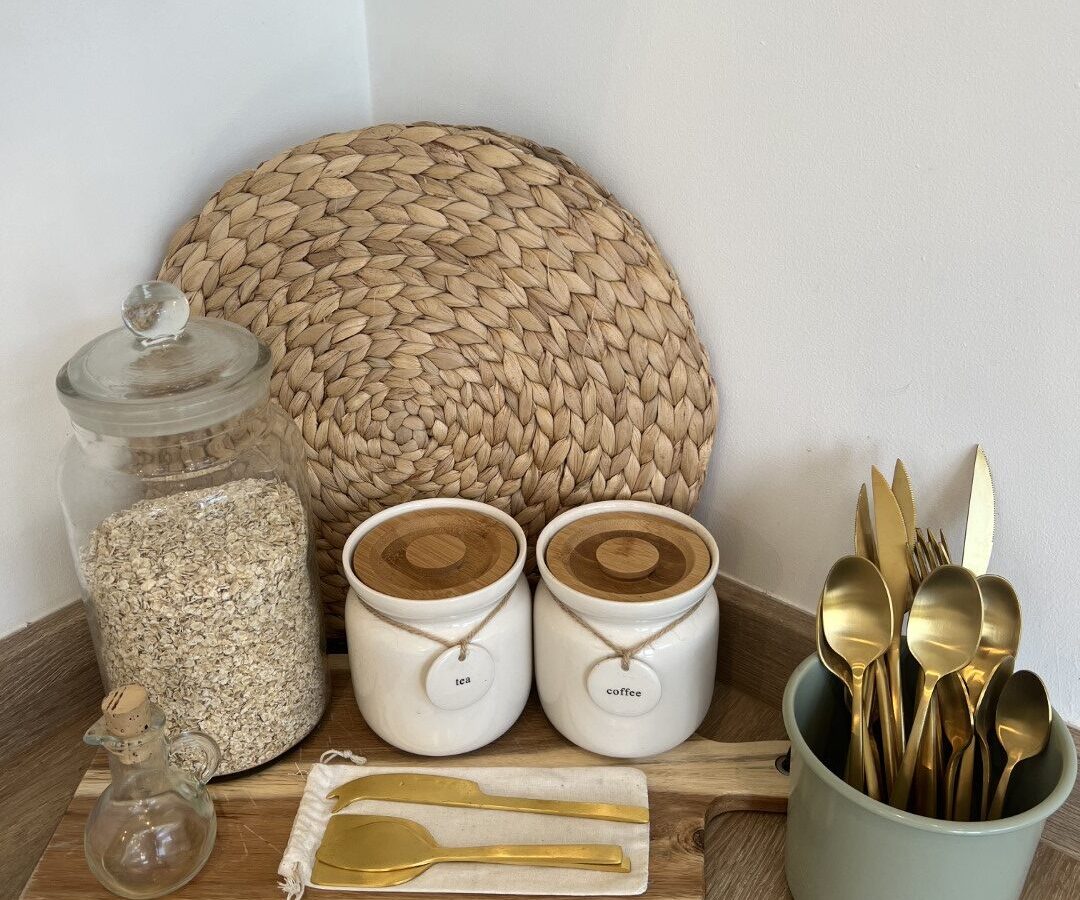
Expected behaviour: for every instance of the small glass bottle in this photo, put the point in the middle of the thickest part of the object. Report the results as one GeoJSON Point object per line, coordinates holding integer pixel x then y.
{"type": "Point", "coordinates": [153, 827]}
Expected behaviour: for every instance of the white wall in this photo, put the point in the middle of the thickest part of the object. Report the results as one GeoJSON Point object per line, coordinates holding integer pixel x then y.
{"type": "Point", "coordinates": [874, 210]}
{"type": "Point", "coordinates": [117, 121]}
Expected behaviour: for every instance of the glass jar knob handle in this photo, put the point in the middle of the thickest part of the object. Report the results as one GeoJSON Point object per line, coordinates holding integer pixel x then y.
{"type": "Point", "coordinates": [203, 748]}
{"type": "Point", "coordinates": [155, 312]}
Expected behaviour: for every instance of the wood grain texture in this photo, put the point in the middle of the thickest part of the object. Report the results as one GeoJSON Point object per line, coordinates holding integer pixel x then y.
{"type": "Point", "coordinates": [762, 640]}
{"type": "Point", "coordinates": [660, 557]}
{"type": "Point", "coordinates": [432, 554]}
{"type": "Point", "coordinates": [49, 692]}
{"type": "Point", "coordinates": [744, 851]}
{"type": "Point", "coordinates": [48, 675]}
{"type": "Point", "coordinates": [255, 812]}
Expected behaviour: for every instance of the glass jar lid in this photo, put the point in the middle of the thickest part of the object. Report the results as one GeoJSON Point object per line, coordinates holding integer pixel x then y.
{"type": "Point", "coordinates": [161, 373]}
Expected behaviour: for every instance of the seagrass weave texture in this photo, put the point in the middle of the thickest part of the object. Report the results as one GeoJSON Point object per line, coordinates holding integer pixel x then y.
{"type": "Point", "coordinates": [456, 312]}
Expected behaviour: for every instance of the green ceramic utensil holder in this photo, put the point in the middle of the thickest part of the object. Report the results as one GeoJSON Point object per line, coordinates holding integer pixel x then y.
{"type": "Point", "coordinates": [841, 845]}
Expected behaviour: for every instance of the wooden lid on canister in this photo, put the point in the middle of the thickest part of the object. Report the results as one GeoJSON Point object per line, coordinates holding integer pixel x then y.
{"type": "Point", "coordinates": [433, 554]}
{"type": "Point", "coordinates": [628, 556]}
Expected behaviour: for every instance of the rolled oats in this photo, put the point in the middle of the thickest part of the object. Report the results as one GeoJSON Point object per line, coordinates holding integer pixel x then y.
{"type": "Point", "coordinates": [207, 599]}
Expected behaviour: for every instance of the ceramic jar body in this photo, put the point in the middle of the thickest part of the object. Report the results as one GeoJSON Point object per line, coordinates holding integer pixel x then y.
{"type": "Point", "coordinates": [684, 661]}
{"type": "Point", "coordinates": [660, 701]}
{"type": "Point", "coordinates": [394, 668]}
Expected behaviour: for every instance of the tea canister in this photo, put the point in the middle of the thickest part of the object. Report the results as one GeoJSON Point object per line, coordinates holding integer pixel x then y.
{"type": "Point", "coordinates": [625, 626]}
{"type": "Point", "coordinates": [439, 624]}
{"type": "Point", "coordinates": [184, 490]}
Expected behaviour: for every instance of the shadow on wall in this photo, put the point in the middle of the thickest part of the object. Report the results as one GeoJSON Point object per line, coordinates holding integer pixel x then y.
{"type": "Point", "coordinates": [822, 494]}
{"type": "Point", "coordinates": [753, 555]}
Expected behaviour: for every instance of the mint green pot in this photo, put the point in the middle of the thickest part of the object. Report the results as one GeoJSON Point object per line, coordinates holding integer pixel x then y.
{"type": "Point", "coordinates": [841, 845]}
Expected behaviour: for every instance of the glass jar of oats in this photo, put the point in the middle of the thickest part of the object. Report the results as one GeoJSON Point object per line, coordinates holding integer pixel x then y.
{"type": "Point", "coordinates": [185, 498]}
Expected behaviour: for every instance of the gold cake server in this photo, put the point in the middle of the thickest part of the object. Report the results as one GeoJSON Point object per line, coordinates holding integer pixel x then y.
{"type": "Point", "coordinates": [393, 844]}
{"type": "Point", "coordinates": [443, 790]}
{"type": "Point", "coordinates": [326, 875]}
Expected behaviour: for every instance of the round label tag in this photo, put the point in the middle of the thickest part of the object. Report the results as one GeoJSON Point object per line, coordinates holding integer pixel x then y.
{"type": "Point", "coordinates": [454, 683]}
{"type": "Point", "coordinates": [624, 692]}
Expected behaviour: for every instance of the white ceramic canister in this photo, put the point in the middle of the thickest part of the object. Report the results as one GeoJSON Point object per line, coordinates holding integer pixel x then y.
{"type": "Point", "coordinates": [439, 624]}
{"type": "Point", "coordinates": [625, 626]}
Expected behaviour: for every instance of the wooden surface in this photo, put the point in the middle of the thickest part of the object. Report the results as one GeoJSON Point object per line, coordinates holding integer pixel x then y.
{"type": "Point", "coordinates": [432, 554]}
{"type": "Point", "coordinates": [49, 691]}
{"type": "Point", "coordinates": [255, 812]}
{"type": "Point", "coordinates": [761, 641]}
{"type": "Point", "coordinates": [660, 557]}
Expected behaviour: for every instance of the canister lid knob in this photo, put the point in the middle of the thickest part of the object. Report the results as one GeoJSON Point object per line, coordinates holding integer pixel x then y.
{"type": "Point", "coordinates": [627, 557]}
{"type": "Point", "coordinates": [435, 552]}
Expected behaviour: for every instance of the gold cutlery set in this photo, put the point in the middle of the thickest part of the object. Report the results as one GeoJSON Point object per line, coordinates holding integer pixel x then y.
{"type": "Point", "coordinates": [383, 851]}
{"type": "Point", "coordinates": [948, 748]}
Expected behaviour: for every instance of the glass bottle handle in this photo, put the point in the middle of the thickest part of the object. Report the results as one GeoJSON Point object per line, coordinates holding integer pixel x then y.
{"type": "Point", "coordinates": [203, 747]}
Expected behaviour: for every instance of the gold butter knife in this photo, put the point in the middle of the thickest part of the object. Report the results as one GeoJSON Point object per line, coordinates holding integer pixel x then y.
{"type": "Point", "coordinates": [979, 536]}
{"type": "Point", "coordinates": [443, 790]}
{"type": "Point", "coordinates": [905, 499]}
{"type": "Point", "coordinates": [864, 532]}
{"type": "Point", "coordinates": [891, 534]}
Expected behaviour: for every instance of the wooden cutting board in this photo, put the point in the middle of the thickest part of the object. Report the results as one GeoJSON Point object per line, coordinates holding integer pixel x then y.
{"type": "Point", "coordinates": [687, 786]}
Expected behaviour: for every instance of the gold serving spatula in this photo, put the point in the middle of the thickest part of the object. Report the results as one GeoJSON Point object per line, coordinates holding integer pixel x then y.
{"type": "Point", "coordinates": [393, 844]}
{"type": "Point", "coordinates": [326, 875]}
{"type": "Point", "coordinates": [443, 790]}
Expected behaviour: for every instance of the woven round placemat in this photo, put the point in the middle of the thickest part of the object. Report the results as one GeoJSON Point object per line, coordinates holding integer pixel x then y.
{"type": "Point", "coordinates": [455, 312]}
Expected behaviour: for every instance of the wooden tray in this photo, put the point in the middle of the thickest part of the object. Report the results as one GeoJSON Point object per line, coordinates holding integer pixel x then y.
{"type": "Point", "coordinates": [688, 786]}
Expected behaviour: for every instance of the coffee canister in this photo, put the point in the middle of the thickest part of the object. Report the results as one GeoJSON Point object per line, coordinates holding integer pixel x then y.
{"type": "Point", "coordinates": [625, 625]}
{"type": "Point", "coordinates": [438, 622]}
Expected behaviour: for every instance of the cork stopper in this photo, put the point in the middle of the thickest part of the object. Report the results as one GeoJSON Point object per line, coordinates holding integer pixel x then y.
{"type": "Point", "coordinates": [127, 711]}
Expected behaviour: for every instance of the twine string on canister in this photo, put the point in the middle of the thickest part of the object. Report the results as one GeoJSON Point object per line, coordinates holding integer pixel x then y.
{"type": "Point", "coordinates": [462, 643]}
{"type": "Point", "coordinates": [625, 654]}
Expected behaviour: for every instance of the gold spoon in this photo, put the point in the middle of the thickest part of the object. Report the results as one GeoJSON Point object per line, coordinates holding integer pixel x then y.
{"type": "Point", "coordinates": [943, 633]}
{"type": "Point", "coordinates": [832, 661]}
{"type": "Point", "coordinates": [1000, 638]}
{"type": "Point", "coordinates": [326, 875]}
{"type": "Point", "coordinates": [1023, 727]}
{"type": "Point", "coordinates": [957, 728]}
{"type": "Point", "coordinates": [857, 622]}
{"type": "Point", "coordinates": [985, 713]}
{"type": "Point", "coordinates": [389, 845]}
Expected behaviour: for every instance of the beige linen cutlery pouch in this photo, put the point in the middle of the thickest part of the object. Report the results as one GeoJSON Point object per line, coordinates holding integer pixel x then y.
{"type": "Point", "coordinates": [455, 827]}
